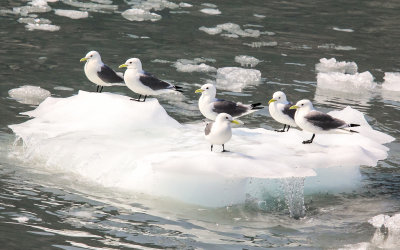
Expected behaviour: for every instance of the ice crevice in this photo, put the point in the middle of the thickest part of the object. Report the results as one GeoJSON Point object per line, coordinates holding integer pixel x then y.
{"type": "Point", "coordinates": [117, 143]}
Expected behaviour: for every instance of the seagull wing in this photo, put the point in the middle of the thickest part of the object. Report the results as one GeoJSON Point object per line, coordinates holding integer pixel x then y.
{"type": "Point", "coordinates": [207, 130]}
{"type": "Point", "coordinates": [232, 108]}
{"type": "Point", "coordinates": [154, 83]}
{"type": "Point", "coordinates": [287, 111]}
{"type": "Point", "coordinates": [324, 121]}
{"type": "Point", "coordinates": [108, 75]}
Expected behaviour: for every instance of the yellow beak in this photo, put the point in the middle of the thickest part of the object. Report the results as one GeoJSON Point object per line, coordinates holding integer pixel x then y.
{"type": "Point", "coordinates": [83, 59]}
{"type": "Point", "coordinates": [236, 122]}
{"type": "Point", "coordinates": [271, 101]}
{"type": "Point", "coordinates": [123, 66]}
{"type": "Point", "coordinates": [294, 107]}
{"type": "Point", "coordinates": [199, 91]}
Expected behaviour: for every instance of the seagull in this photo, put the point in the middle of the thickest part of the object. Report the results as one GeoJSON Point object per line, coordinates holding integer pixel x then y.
{"type": "Point", "coordinates": [144, 83]}
{"type": "Point", "coordinates": [316, 122]}
{"type": "Point", "coordinates": [99, 73]}
{"type": "Point", "coordinates": [220, 131]}
{"type": "Point", "coordinates": [210, 106]}
{"type": "Point", "coordinates": [279, 108]}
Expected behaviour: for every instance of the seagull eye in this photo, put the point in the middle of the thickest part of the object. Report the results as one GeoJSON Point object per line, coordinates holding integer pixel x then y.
{"type": "Point", "coordinates": [302, 104]}
{"type": "Point", "coordinates": [207, 88]}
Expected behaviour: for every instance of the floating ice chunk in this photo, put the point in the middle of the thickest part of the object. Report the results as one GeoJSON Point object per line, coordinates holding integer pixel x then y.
{"type": "Point", "coordinates": [261, 44]}
{"type": "Point", "coordinates": [210, 11]}
{"type": "Point", "coordinates": [21, 219]}
{"type": "Point", "coordinates": [110, 140]}
{"type": "Point", "coordinates": [343, 30]}
{"type": "Point", "coordinates": [248, 61]}
{"type": "Point", "coordinates": [35, 6]}
{"type": "Point", "coordinates": [73, 14]}
{"type": "Point", "coordinates": [331, 65]}
{"type": "Point", "coordinates": [211, 31]}
{"type": "Point", "coordinates": [346, 82]}
{"type": "Point", "coordinates": [209, 5]}
{"type": "Point", "coordinates": [336, 47]}
{"type": "Point", "coordinates": [259, 16]}
{"type": "Point", "coordinates": [156, 5]}
{"type": "Point", "coordinates": [387, 233]}
{"type": "Point", "coordinates": [96, 7]}
{"type": "Point", "coordinates": [236, 79]}
{"type": "Point", "coordinates": [32, 20]}
{"type": "Point", "coordinates": [185, 5]}
{"type": "Point", "coordinates": [40, 26]}
{"type": "Point", "coordinates": [196, 65]}
{"type": "Point", "coordinates": [340, 47]}
{"type": "Point", "coordinates": [63, 88]}
{"type": "Point", "coordinates": [232, 29]}
{"type": "Point", "coordinates": [27, 94]}
{"type": "Point", "coordinates": [391, 81]}
{"type": "Point", "coordinates": [140, 15]}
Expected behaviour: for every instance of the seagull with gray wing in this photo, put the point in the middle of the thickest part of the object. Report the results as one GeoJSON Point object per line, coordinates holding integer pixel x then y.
{"type": "Point", "coordinates": [316, 122]}
{"type": "Point", "coordinates": [99, 73]}
{"type": "Point", "coordinates": [144, 83]}
{"type": "Point", "coordinates": [220, 131]}
{"type": "Point", "coordinates": [210, 106]}
{"type": "Point", "coordinates": [279, 109]}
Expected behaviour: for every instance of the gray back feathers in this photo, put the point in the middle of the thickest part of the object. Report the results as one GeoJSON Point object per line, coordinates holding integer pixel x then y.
{"type": "Point", "coordinates": [324, 121]}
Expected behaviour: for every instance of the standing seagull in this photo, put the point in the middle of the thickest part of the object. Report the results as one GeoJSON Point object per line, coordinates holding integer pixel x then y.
{"type": "Point", "coordinates": [99, 73]}
{"type": "Point", "coordinates": [316, 122]}
{"type": "Point", "coordinates": [144, 83]}
{"type": "Point", "coordinates": [220, 131]}
{"type": "Point", "coordinates": [279, 108]}
{"type": "Point", "coordinates": [210, 106]}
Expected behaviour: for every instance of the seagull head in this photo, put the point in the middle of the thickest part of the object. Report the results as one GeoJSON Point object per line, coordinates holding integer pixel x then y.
{"type": "Point", "coordinates": [304, 104]}
{"type": "Point", "coordinates": [227, 118]}
{"type": "Point", "coordinates": [207, 89]}
{"type": "Point", "coordinates": [132, 63]}
{"type": "Point", "coordinates": [91, 55]}
{"type": "Point", "coordinates": [279, 97]}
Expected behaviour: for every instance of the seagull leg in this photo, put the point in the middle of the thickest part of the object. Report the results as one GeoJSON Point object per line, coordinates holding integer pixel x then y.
{"type": "Point", "coordinates": [97, 89]}
{"type": "Point", "coordinates": [309, 141]}
{"type": "Point", "coordinates": [144, 98]}
{"type": "Point", "coordinates": [288, 126]}
{"type": "Point", "coordinates": [101, 88]}
{"type": "Point", "coordinates": [211, 147]}
{"type": "Point", "coordinates": [138, 100]}
{"type": "Point", "coordinates": [282, 130]}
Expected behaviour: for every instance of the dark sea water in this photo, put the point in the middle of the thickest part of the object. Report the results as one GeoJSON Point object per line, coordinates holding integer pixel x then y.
{"type": "Point", "coordinates": [42, 210]}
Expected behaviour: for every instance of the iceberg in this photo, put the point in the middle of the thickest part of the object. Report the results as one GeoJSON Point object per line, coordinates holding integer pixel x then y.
{"type": "Point", "coordinates": [391, 81]}
{"type": "Point", "coordinates": [111, 141]}
{"type": "Point", "coordinates": [331, 65]}
{"type": "Point", "coordinates": [357, 82]}
{"type": "Point", "coordinates": [28, 94]}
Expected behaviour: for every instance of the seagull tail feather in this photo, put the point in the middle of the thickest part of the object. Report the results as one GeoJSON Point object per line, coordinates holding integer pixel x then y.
{"type": "Point", "coordinates": [255, 106]}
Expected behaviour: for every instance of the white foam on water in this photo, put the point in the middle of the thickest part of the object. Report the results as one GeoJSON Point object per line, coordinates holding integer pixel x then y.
{"type": "Point", "coordinates": [247, 61]}
{"type": "Point", "coordinates": [111, 141]}
{"type": "Point", "coordinates": [236, 79]}
{"type": "Point", "coordinates": [210, 11]}
{"type": "Point", "coordinates": [28, 94]}
{"type": "Point", "coordinates": [73, 14]}
{"type": "Point", "coordinates": [391, 81]}
{"type": "Point", "coordinates": [140, 15]}
{"type": "Point", "coordinates": [346, 82]}
{"type": "Point", "coordinates": [342, 30]}
{"type": "Point", "coordinates": [331, 65]}
{"type": "Point", "coordinates": [261, 44]}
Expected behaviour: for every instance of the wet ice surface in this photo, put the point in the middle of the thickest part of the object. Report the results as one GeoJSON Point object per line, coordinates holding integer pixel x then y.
{"type": "Point", "coordinates": [231, 30]}
{"type": "Point", "coordinates": [236, 79]}
{"type": "Point", "coordinates": [247, 61]}
{"type": "Point", "coordinates": [73, 14]}
{"type": "Point", "coordinates": [27, 94]}
{"type": "Point", "coordinates": [140, 15]}
{"type": "Point", "coordinates": [139, 147]}
{"type": "Point", "coordinates": [391, 81]}
{"type": "Point", "coordinates": [331, 65]}
{"type": "Point", "coordinates": [195, 65]}
{"type": "Point", "coordinates": [210, 11]}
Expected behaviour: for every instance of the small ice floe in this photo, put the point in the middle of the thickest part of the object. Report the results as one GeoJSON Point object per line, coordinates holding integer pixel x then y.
{"type": "Point", "coordinates": [236, 79]}
{"type": "Point", "coordinates": [335, 47]}
{"type": "Point", "coordinates": [35, 6]}
{"type": "Point", "coordinates": [73, 14]}
{"type": "Point", "coordinates": [38, 24]}
{"type": "Point", "coordinates": [391, 81]}
{"type": "Point", "coordinates": [230, 30]}
{"type": "Point", "coordinates": [209, 5]}
{"type": "Point", "coordinates": [196, 65]}
{"type": "Point", "coordinates": [21, 219]}
{"type": "Point", "coordinates": [210, 11]}
{"type": "Point", "coordinates": [259, 16]}
{"type": "Point", "coordinates": [155, 5]}
{"type": "Point", "coordinates": [100, 6]}
{"type": "Point", "coordinates": [185, 5]}
{"type": "Point", "coordinates": [247, 61]}
{"type": "Point", "coordinates": [28, 94]}
{"type": "Point", "coordinates": [331, 65]}
{"type": "Point", "coordinates": [342, 30]}
{"type": "Point", "coordinates": [140, 15]}
{"type": "Point", "coordinates": [343, 76]}
{"type": "Point", "coordinates": [346, 82]}
{"type": "Point", "coordinates": [387, 232]}
{"type": "Point", "coordinates": [62, 88]}
{"type": "Point", "coordinates": [261, 44]}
